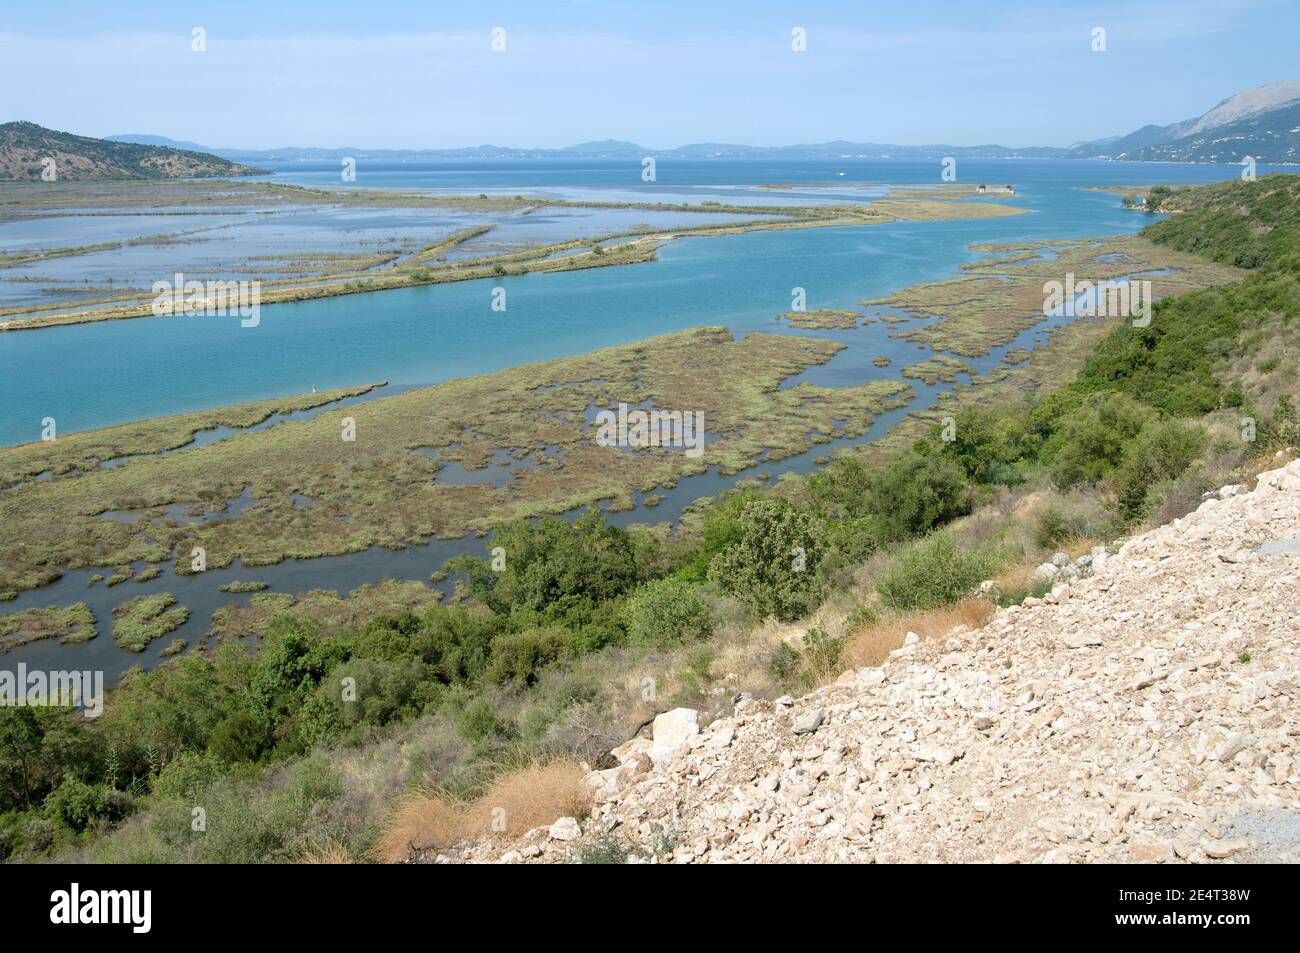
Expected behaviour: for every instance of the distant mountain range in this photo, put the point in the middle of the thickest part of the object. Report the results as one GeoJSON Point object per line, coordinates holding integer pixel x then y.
{"type": "Point", "coordinates": [1262, 122]}
{"type": "Point", "coordinates": [618, 150]}
{"type": "Point", "coordinates": [31, 152]}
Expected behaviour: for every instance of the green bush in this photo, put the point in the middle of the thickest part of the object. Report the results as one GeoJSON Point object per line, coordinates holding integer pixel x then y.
{"type": "Point", "coordinates": [722, 529]}
{"type": "Point", "coordinates": [822, 652]}
{"type": "Point", "coordinates": [366, 692]}
{"type": "Point", "coordinates": [668, 612]}
{"type": "Point", "coordinates": [1092, 440]}
{"type": "Point", "coordinates": [864, 615]}
{"type": "Point", "coordinates": [773, 567]}
{"type": "Point", "coordinates": [907, 497]}
{"type": "Point", "coordinates": [914, 493]}
{"type": "Point", "coordinates": [242, 736]}
{"type": "Point", "coordinates": [1054, 528]}
{"type": "Point", "coordinates": [697, 673]}
{"type": "Point", "coordinates": [1161, 452]}
{"type": "Point", "coordinates": [936, 571]}
{"type": "Point", "coordinates": [783, 665]}
{"type": "Point", "coordinates": [552, 566]}
{"type": "Point", "coordinates": [79, 805]}
{"type": "Point", "coordinates": [519, 657]}
{"type": "Point", "coordinates": [842, 489]}
{"type": "Point", "coordinates": [478, 723]}
{"type": "Point", "coordinates": [991, 445]}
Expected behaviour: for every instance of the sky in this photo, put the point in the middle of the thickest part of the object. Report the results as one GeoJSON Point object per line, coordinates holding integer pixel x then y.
{"type": "Point", "coordinates": [661, 73]}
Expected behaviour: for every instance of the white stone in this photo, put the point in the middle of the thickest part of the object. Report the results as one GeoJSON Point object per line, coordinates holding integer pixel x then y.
{"type": "Point", "coordinates": [565, 829]}
{"type": "Point", "coordinates": [673, 731]}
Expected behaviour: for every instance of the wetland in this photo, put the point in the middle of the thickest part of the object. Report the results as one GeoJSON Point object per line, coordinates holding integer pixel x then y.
{"type": "Point", "coordinates": [463, 418]}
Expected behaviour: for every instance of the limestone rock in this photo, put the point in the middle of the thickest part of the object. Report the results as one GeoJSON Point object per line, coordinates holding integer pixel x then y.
{"type": "Point", "coordinates": [672, 733]}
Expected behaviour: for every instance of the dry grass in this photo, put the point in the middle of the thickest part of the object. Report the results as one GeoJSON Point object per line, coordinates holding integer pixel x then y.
{"type": "Point", "coordinates": [331, 852]}
{"type": "Point", "coordinates": [872, 644]}
{"type": "Point", "coordinates": [515, 802]}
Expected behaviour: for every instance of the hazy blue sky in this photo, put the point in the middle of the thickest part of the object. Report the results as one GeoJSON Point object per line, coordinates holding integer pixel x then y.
{"type": "Point", "coordinates": [658, 72]}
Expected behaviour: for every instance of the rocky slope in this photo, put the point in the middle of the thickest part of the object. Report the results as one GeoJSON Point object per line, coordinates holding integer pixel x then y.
{"type": "Point", "coordinates": [1259, 122]}
{"type": "Point", "coordinates": [1147, 712]}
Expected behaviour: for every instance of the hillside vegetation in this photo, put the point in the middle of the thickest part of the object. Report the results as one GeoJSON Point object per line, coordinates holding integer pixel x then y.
{"type": "Point", "coordinates": [25, 148]}
{"type": "Point", "coordinates": [591, 629]}
{"type": "Point", "coordinates": [1248, 224]}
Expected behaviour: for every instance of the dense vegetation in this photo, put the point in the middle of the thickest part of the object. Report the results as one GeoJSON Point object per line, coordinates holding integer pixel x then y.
{"type": "Point", "coordinates": [1155, 416]}
{"type": "Point", "coordinates": [1248, 224]}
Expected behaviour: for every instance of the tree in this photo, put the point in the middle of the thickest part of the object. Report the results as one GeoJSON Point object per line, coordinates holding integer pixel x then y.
{"type": "Point", "coordinates": [1092, 440]}
{"type": "Point", "coordinates": [668, 612]}
{"type": "Point", "coordinates": [773, 568]}
{"type": "Point", "coordinates": [915, 493]}
{"type": "Point", "coordinates": [551, 565]}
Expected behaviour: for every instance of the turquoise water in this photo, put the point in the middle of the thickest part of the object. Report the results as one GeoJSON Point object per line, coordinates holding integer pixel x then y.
{"type": "Point", "coordinates": [97, 374]}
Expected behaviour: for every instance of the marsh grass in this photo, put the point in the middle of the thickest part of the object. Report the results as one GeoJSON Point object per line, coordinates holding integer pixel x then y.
{"type": "Point", "coordinates": [74, 623]}
{"type": "Point", "coordinates": [382, 488]}
{"type": "Point", "coordinates": [138, 621]}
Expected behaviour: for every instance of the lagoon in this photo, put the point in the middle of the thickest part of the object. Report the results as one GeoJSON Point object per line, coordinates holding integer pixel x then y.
{"type": "Point", "coordinates": [92, 375]}
{"type": "Point", "coordinates": [95, 374]}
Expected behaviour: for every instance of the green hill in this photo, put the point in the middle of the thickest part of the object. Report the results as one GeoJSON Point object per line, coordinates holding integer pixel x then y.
{"type": "Point", "coordinates": [25, 149]}
{"type": "Point", "coordinates": [1247, 224]}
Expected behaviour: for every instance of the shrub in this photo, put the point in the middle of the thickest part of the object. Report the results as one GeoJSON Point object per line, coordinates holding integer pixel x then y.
{"type": "Point", "coordinates": [604, 850]}
{"type": "Point", "coordinates": [773, 567]}
{"type": "Point", "coordinates": [990, 444]}
{"type": "Point", "coordinates": [864, 615]}
{"type": "Point", "coordinates": [478, 723]}
{"type": "Point", "coordinates": [366, 692]}
{"type": "Point", "coordinates": [935, 571]}
{"type": "Point", "coordinates": [1054, 528]}
{"type": "Point", "coordinates": [908, 496]}
{"type": "Point", "coordinates": [1092, 440]}
{"type": "Point", "coordinates": [783, 665]}
{"type": "Point", "coordinates": [518, 657]}
{"type": "Point", "coordinates": [1284, 425]}
{"type": "Point", "coordinates": [1162, 451]}
{"type": "Point", "coordinates": [184, 777]}
{"type": "Point", "coordinates": [721, 530]}
{"type": "Point", "coordinates": [916, 493]}
{"type": "Point", "coordinates": [822, 653]}
{"type": "Point", "coordinates": [242, 736]}
{"type": "Point", "coordinates": [841, 489]}
{"type": "Point", "coordinates": [668, 612]}
{"type": "Point", "coordinates": [552, 565]}
{"type": "Point", "coordinates": [698, 670]}
{"type": "Point", "coordinates": [79, 805]}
